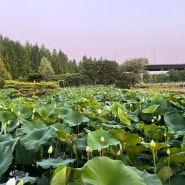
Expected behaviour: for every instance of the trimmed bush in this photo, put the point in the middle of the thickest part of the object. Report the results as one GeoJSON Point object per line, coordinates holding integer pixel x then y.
{"type": "Point", "coordinates": [29, 88]}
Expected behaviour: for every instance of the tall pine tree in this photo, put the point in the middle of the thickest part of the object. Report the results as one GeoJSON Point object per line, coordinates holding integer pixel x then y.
{"type": "Point", "coordinates": [4, 74]}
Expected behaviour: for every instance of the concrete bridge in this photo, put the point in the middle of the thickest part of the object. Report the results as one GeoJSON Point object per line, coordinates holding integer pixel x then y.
{"type": "Point", "coordinates": [164, 67]}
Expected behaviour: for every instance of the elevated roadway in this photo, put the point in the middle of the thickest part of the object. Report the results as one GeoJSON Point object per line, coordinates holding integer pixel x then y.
{"type": "Point", "coordinates": [164, 67]}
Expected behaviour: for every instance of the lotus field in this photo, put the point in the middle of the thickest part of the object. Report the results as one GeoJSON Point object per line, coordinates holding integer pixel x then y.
{"type": "Point", "coordinates": [93, 136]}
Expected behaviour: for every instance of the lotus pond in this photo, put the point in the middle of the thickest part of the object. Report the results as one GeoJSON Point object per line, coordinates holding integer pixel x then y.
{"type": "Point", "coordinates": [93, 136]}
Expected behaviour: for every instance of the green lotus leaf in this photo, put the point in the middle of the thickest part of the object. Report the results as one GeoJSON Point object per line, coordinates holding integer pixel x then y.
{"type": "Point", "coordinates": [111, 126]}
{"type": "Point", "coordinates": [177, 179]}
{"type": "Point", "coordinates": [24, 110]}
{"type": "Point", "coordinates": [74, 118]}
{"type": "Point", "coordinates": [126, 138]}
{"type": "Point", "coordinates": [150, 179]}
{"type": "Point", "coordinates": [116, 107]}
{"type": "Point", "coordinates": [46, 163]}
{"type": "Point", "coordinates": [94, 139]}
{"type": "Point", "coordinates": [4, 102]}
{"type": "Point", "coordinates": [37, 137]}
{"type": "Point", "coordinates": [28, 126]}
{"type": "Point", "coordinates": [150, 109]}
{"type": "Point", "coordinates": [152, 130]}
{"type": "Point", "coordinates": [178, 134]}
{"type": "Point", "coordinates": [24, 156]}
{"type": "Point", "coordinates": [5, 116]}
{"type": "Point", "coordinates": [136, 149]}
{"type": "Point", "coordinates": [65, 175]}
{"type": "Point", "coordinates": [159, 100]}
{"type": "Point", "coordinates": [62, 111]}
{"type": "Point", "coordinates": [81, 143]}
{"type": "Point", "coordinates": [147, 117]}
{"type": "Point", "coordinates": [6, 158]}
{"type": "Point", "coordinates": [29, 180]}
{"type": "Point", "coordinates": [157, 146]}
{"type": "Point", "coordinates": [178, 158]}
{"type": "Point", "coordinates": [61, 127]}
{"type": "Point", "coordinates": [165, 173]}
{"type": "Point", "coordinates": [5, 139]}
{"type": "Point", "coordinates": [174, 122]}
{"type": "Point", "coordinates": [177, 104]}
{"type": "Point", "coordinates": [123, 118]}
{"type": "Point", "coordinates": [45, 112]}
{"type": "Point", "coordinates": [61, 135]}
{"type": "Point", "coordinates": [118, 111]}
{"type": "Point", "coordinates": [103, 170]}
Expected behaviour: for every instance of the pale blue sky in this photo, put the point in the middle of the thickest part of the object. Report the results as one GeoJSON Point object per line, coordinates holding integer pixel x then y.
{"type": "Point", "coordinates": [113, 29]}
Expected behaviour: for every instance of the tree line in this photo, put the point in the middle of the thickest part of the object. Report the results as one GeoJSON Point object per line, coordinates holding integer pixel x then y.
{"type": "Point", "coordinates": [30, 62]}
{"type": "Point", "coordinates": [33, 63]}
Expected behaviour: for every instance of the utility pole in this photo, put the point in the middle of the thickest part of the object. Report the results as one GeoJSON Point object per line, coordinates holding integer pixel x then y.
{"type": "Point", "coordinates": [0, 50]}
{"type": "Point", "coordinates": [154, 55]}
{"type": "Point", "coordinates": [115, 55]}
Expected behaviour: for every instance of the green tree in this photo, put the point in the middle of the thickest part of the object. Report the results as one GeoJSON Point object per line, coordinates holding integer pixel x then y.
{"type": "Point", "coordinates": [136, 65]}
{"type": "Point", "coordinates": [109, 72]}
{"type": "Point", "coordinates": [174, 76]}
{"type": "Point", "coordinates": [72, 67]}
{"type": "Point", "coordinates": [88, 68]}
{"type": "Point", "coordinates": [4, 74]}
{"type": "Point", "coordinates": [182, 75]}
{"type": "Point", "coordinates": [132, 72]}
{"type": "Point", "coordinates": [35, 58]}
{"type": "Point", "coordinates": [45, 69]}
{"type": "Point", "coordinates": [15, 58]}
{"type": "Point", "coordinates": [59, 62]}
{"type": "Point", "coordinates": [160, 78]}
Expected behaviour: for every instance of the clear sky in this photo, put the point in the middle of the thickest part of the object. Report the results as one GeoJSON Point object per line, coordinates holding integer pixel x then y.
{"type": "Point", "coordinates": [114, 29]}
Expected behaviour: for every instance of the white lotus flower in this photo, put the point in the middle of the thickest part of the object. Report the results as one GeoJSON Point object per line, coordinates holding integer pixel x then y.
{"type": "Point", "coordinates": [11, 181]}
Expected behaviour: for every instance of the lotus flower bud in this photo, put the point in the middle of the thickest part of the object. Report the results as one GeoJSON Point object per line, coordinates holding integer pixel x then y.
{"type": "Point", "coordinates": [21, 182]}
{"type": "Point", "coordinates": [168, 151]}
{"type": "Point", "coordinates": [11, 139]}
{"type": "Point", "coordinates": [17, 124]}
{"type": "Point", "coordinates": [32, 117]}
{"type": "Point", "coordinates": [88, 149]}
{"type": "Point", "coordinates": [99, 111]}
{"type": "Point", "coordinates": [99, 150]}
{"type": "Point", "coordinates": [159, 117]}
{"type": "Point", "coordinates": [119, 153]}
{"type": "Point", "coordinates": [102, 139]}
{"type": "Point", "coordinates": [152, 144]}
{"type": "Point", "coordinates": [50, 150]}
{"type": "Point", "coordinates": [8, 122]}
